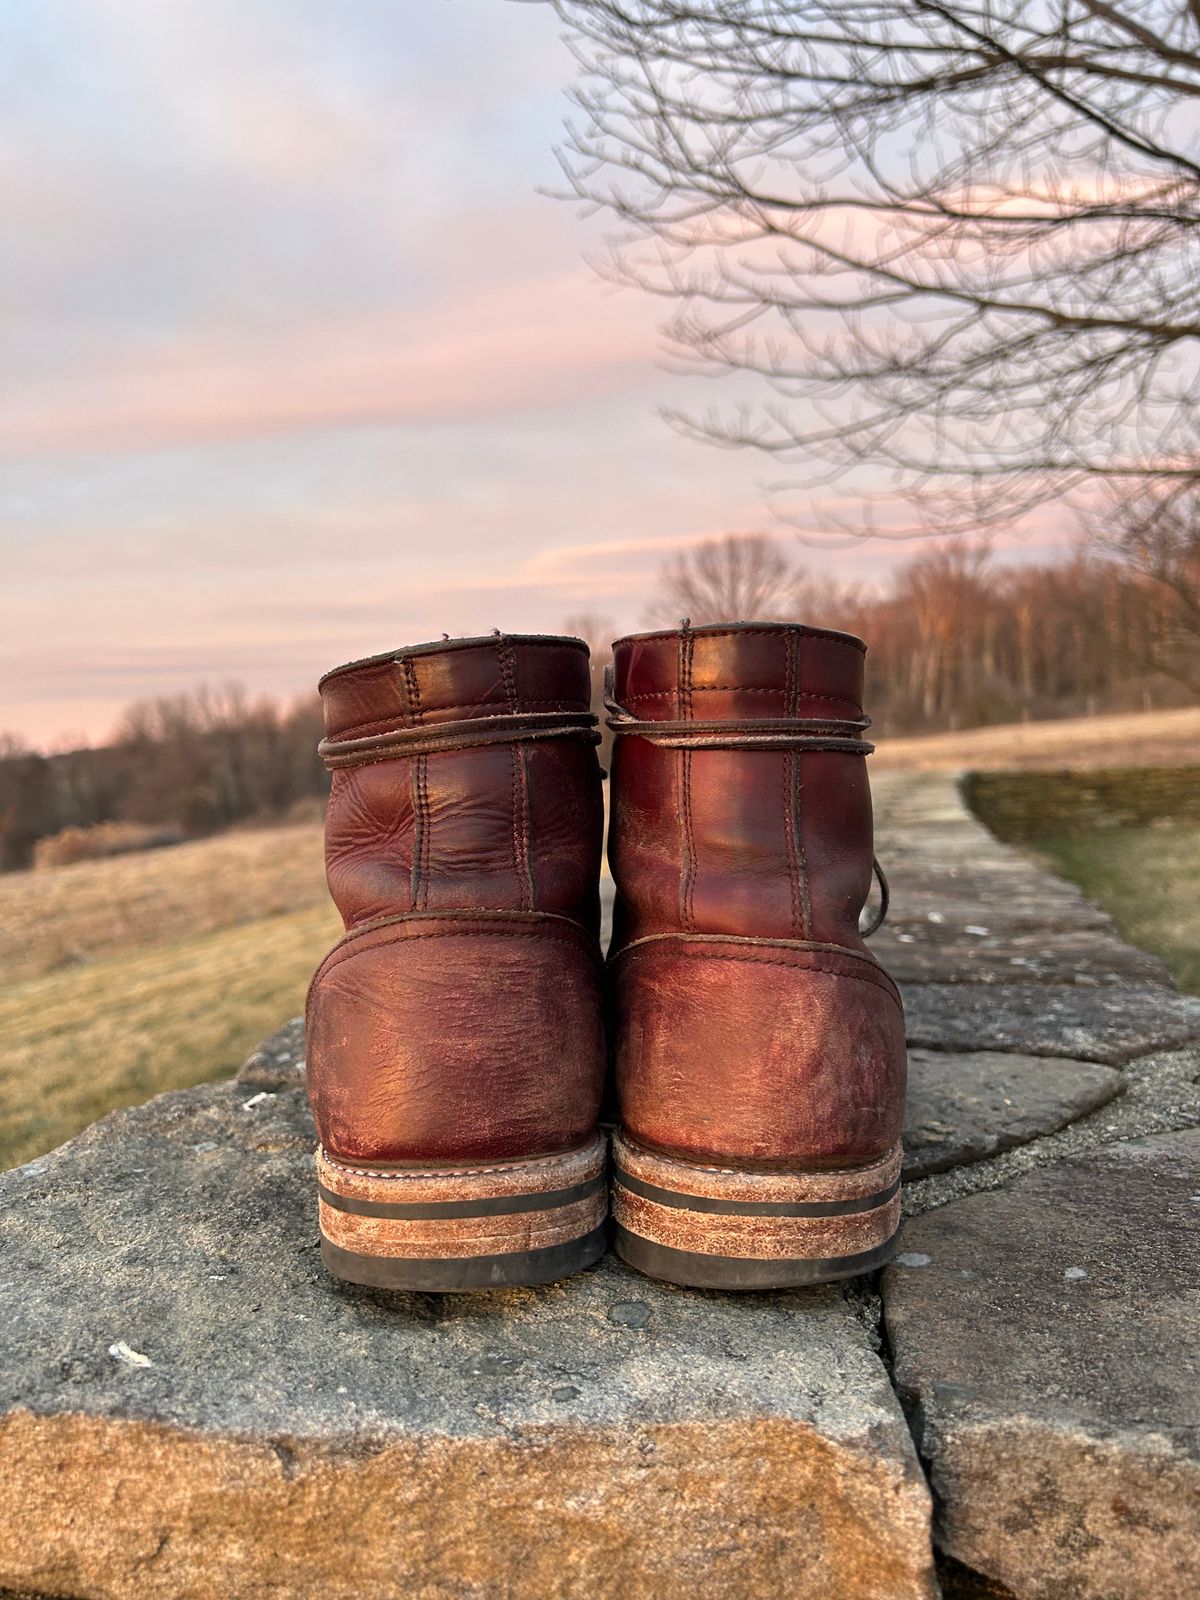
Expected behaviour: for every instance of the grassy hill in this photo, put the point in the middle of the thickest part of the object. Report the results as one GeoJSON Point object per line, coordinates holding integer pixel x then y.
{"type": "Point", "coordinates": [122, 978]}
{"type": "Point", "coordinates": [1128, 739]}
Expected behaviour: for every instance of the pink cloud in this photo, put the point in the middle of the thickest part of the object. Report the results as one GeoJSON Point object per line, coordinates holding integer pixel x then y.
{"type": "Point", "coordinates": [528, 345]}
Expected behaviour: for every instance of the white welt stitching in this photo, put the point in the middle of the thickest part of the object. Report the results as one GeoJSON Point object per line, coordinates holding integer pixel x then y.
{"type": "Point", "coordinates": [540, 1164]}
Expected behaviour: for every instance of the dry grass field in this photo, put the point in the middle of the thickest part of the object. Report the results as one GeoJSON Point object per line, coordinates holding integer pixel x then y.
{"type": "Point", "coordinates": [122, 978]}
{"type": "Point", "coordinates": [1148, 878]}
{"type": "Point", "coordinates": [1132, 739]}
{"type": "Point", "coordinates": [61, 916]}
{"type": "Point", "coordinates": [1129, 836]}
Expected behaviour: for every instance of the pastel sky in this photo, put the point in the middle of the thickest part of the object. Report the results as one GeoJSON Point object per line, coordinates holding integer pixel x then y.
{"type": "Point", "coordinates": [297, 364]}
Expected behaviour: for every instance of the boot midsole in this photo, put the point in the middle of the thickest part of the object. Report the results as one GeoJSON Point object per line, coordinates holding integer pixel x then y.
{"type": "Point", "coordinates": [504, 1208]}
{"type": "Point", "coordinates": [836, 1218]}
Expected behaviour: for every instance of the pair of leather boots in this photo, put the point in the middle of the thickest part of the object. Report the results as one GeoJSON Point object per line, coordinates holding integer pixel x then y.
{"type": "Point", "coordinates": [459, 1035]}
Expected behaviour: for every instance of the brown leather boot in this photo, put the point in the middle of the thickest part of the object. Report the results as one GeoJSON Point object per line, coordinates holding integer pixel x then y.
{"type": "Point", "coordinates": [455, 1034]}
{"type": "Point", "coordinates": [759, 1047]}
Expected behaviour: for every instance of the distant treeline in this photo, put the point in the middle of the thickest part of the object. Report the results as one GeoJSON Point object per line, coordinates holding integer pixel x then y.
{"type": "Point", "coordinates": [196, 762]}
{"type": "Point", "coordinates": [955, 641]}
{"type": "Point", "coordinates": [958, 642]}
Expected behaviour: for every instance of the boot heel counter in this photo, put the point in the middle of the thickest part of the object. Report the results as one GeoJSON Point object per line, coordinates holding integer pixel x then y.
{"type": "Point", "coordinates": [457, 1038]}
{"type": "Point", "coordinates": [766, 1053]}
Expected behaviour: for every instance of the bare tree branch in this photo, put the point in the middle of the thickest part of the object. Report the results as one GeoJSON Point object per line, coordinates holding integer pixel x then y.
{"type": "Point", "coordinates": [954, 249]}
{"type": "Point", "coordinates": [741, 578]}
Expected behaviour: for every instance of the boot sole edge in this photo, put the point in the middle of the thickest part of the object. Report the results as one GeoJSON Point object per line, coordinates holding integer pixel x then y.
{"type": "Point", "coordinates": [730, 1228]}
{"type": "Point", "coordinates": [465, 1274]}
{"type": "Point", "coordinates": [691, 1270]}
{"type": "Point", "coordinates": [473, 1227]}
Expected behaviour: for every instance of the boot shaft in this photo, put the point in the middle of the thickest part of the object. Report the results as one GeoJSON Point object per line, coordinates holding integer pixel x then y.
{"type": "Point", "coordinates": [750, 841]}
{"type": "Point", "coordinates": [464, 777]}
{"type": "Point", "coordinates": [752, 1026]}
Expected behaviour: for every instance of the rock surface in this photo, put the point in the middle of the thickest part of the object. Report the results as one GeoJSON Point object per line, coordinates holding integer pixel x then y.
{"type": "Point", "coordinates": [191, 1407]}
{"type": "Point", "coordinates": [1113, 1023]}
{"type": "Point", "coordinates": [993, 954]}
{"type": "Point", "coordinates": [964, 1108]}
{"type": "Point", "coordinates": [1047, 1345]}
{"type": "Point", "coordinates": [944, 952]}
{"type": "Point", "coordinates": [279, 1062]}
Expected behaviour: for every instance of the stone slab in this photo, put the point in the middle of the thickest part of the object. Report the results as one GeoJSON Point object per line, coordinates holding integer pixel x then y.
{"type": "Point", "coordinates": [934, 896]}
{"type": "Point", "coordinates": [965, 1108]}
{"type": "Point", "coordinates": [189, 1406]}
{"type": "Point", "coordinates": [1109, 1023]}
{"type": "Point", "coordinates": [279, 1062]}
{"type": "Point", "coordinates": [943, 952]}
{"type": "Point", "coordinates": [1047, 1345]}
{"type": "Point", "coordinates": [608, 895]}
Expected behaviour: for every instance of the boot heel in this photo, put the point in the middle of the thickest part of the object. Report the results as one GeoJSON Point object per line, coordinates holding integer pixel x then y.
{"type": "Point", "coordinates": [481, 1227]}
{"type": "Point", "coordinates": [712, 1227]}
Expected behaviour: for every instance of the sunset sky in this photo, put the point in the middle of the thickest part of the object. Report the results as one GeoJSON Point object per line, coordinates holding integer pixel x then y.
{"type": "Point", "coordinates": [299, 365]}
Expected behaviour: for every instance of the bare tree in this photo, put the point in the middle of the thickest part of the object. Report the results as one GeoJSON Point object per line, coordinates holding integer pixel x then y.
{"type": "Point", "coordinates": [944, 595]}
{"type": "Point", "coordinates": [1156, 530]}
{"type": "Point", "coordinates": [597, 632]}
{"type": "Point", "coordinates": [209, 756]}
{"type": "Point", "coordinates": [23, 800]}
{"type": "Point", "coordinates": [740, 578]}
{"type": "Point", "coordinates": [958, 241]}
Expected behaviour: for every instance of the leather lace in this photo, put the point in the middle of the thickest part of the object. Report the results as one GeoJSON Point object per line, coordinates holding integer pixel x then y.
{"type": "Point", "coordinates": [754, 733]}
{"type": "Point", "coordinates": [466, 733]}
{"type": "Point", "coordinates": [744, 733]}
